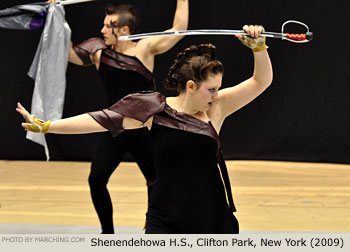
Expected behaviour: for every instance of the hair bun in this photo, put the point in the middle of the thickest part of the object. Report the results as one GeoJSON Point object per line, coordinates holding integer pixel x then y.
{"type": "Point", "coordinates": [172, 80]}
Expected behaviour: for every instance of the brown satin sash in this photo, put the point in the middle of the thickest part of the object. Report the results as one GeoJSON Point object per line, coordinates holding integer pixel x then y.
{"type": "Point", "coordinates": [110, 57]}
{"type": "Point", "coordinates": [125, 62]}
{"type": "Point", "coordinates": [141, 106]}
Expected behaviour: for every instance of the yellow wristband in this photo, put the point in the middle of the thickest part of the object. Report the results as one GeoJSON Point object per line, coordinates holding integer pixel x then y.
{"type": "Point", "coordinates": [260, 48]}
{"type": "Point", "coordinates": [46, 127]}
{"type": "Point", "coordinates": [36, 125]}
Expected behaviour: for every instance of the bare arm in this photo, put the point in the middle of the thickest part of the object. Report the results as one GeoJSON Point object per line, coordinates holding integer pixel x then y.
{"type": "Point", "coordinates": [162, 44]}
{"type": "Point", "coordinates": [233, 98]}
{"type": "Point", "coordinates": [73, 57]}
{"type": "Point", "coordinates": [84, 124]}
{"type": "Point", "coordinates": [80, 124]}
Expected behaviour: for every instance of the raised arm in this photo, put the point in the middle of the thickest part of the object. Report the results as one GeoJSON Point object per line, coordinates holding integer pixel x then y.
{"type": "Point", "coordinates": [160, 45]}
{"type": "Point", "coordinates": [233, 98]}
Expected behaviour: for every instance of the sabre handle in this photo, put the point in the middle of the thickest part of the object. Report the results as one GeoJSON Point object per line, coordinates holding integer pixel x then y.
{"type": "Point", "coordinates": [300, 37]}
{"type": "Point", "coordinates": [297, 38]}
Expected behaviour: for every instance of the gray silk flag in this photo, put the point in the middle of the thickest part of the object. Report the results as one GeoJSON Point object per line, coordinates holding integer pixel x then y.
{"type": "Point", "coordinates": [24, 17]}
{"type": "Point", "coordinates": [49, 71]}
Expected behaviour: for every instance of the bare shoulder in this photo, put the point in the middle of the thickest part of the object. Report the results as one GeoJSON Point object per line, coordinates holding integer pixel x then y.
{"type": "Point", "coordinates": [216, 116]}
{"type": "Point", "coordinates": [143, 53]}
{"type": "Point", "coordinates": [95, 58]}
{"type": "Point", "coordinates": [142, 46]}
{"type": "Point", "coordinates": [170, 101]}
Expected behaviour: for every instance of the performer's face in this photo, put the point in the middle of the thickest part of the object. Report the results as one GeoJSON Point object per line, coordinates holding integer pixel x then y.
{"type": "Point", "coordinates": [107, 30]}
{"type": "Point", "coordinates": [206, 93]}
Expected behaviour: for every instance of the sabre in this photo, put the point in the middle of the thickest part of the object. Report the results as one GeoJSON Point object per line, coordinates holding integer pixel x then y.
{"type": "Point", "coordinates": [295, 38]}
{"type": "Point", "coordinates": [69, 2]}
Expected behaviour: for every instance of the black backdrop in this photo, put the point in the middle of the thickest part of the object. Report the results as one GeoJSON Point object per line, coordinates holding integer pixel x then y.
{"type": "Point", "coordinates": [303, 116]}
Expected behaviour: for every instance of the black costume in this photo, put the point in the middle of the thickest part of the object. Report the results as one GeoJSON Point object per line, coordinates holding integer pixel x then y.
{"type": "Point", "coordinates": [121, 75]}
{"type": "Point", "coordinates": [188, 195]}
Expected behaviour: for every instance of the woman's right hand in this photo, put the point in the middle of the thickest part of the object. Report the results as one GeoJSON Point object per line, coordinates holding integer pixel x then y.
{"type": "Point", "coordinates": [32, 123]}
{"type": "Point", "coordinates": [253, 40]}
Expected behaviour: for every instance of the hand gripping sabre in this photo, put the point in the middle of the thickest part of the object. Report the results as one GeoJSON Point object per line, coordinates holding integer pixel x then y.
{"type": "Point", "coordinates": [296, 38]}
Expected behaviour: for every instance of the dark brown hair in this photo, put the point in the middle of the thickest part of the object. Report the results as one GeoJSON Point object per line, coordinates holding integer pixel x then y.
{"type": "Point", "coordinates": [194, 63]}
{"type": "Point", "coordinates": [128, 15]}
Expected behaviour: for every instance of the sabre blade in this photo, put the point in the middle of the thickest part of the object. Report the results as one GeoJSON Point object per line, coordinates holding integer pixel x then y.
{"type": "Point", "coordinates": [194, 32]}
{"type": "Point", "coordinates": [296, 38]}
{"type": "Point", "coordinates": [69, 2]}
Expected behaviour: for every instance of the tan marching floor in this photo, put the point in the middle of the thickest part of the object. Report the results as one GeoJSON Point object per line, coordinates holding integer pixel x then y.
{"type": "Point", "coordinates": [269, 195]}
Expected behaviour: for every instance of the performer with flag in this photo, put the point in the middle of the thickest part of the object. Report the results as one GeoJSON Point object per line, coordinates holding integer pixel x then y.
{"type": "Point", "coordinates": [124, 67]}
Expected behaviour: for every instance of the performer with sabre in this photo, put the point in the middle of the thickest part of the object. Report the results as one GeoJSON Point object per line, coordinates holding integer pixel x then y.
{"type": "Point", "coordinates": [153, 226]}
{"type": "Point", "coordinates": [191, 193]}
{"type": "Point", "coordinates": [124, 67]}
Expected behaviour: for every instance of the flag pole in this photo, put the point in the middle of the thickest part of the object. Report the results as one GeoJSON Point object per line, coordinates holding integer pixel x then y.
{"type": "Point", "coordinates": [69, 2]}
